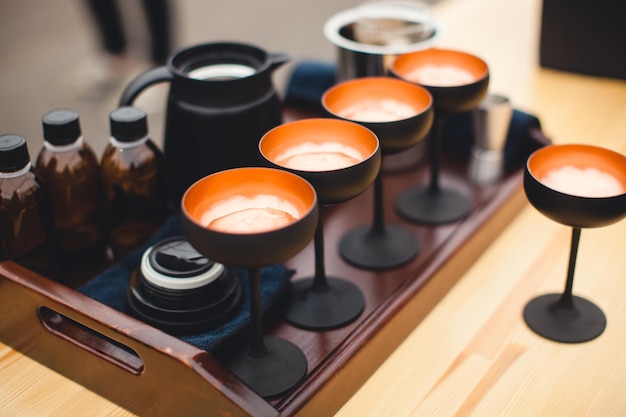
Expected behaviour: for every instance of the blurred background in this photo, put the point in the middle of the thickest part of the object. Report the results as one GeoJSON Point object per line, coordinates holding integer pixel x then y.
{"type": "Point", "coordinates": [52, 54]}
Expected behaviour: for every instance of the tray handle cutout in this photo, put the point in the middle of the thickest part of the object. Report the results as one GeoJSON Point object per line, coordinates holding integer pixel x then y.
{"type": "Point", "coordinates": [91, 340]}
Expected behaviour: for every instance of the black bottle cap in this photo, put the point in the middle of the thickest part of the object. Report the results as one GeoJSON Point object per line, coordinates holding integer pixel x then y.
{"type": "Point", "coordinates": [61, 126]}
{"type": "Point", "coordinates": [13, 153]}
{"type": "Point", "coordinates": [128, 124]}
{"type": "Point", "coordinates": [177, 258]}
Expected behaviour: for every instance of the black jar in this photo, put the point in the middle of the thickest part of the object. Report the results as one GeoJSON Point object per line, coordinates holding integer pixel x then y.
{"type": "Point", "coordinates": [179, 291]}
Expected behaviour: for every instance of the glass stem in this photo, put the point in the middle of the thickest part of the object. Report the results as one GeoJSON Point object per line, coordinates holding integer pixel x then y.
{"type": "Point", "coordinates": [378, 227]}
{"type": "Point", "coordinates": [257, 348]}
{"type": "Point", "coordinates": [320, 282]}
{"type": "Point", "coordinates": [566, 299]}
{"type": "Point", "coordinates": [434, 139]}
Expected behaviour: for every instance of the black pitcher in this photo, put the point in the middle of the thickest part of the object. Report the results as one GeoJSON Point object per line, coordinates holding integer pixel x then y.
{"type": "Point", "coordinates": [221, 101]}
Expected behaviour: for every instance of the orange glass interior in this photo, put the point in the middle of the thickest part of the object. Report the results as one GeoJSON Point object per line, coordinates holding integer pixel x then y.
{"type": "Point", "coordinates": [281, 138]}
{"type": "Point", "coordinates": [407, 63]}
{"type": "Point", "coordinates": [348, 93]}
{"type": "Point", "coordinates": [579, 156]}
{"type": "Point", "coordinates": [248, 182]}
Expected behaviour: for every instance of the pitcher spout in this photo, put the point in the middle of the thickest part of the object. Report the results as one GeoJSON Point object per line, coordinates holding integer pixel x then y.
{"type": "Point", "coordinates": [277, 60]}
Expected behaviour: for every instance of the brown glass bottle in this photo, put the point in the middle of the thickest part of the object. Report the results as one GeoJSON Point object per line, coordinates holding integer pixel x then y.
{"type": "Point", "coordinates": [133, 178]}
{"type": "Point", "coordinates": [25, 222]}
{"type": "Point", "coordinates": [70, 170]}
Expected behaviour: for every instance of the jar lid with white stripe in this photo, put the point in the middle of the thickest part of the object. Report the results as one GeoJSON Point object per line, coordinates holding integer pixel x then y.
{"type": "Point", "coordinates": [177, 289]}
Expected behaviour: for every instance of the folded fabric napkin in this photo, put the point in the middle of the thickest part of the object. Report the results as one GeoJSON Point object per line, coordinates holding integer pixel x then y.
{"type": "Point", "coordinates": [310, 79]}
{"type": "Point", "coordinates": [110, 288]}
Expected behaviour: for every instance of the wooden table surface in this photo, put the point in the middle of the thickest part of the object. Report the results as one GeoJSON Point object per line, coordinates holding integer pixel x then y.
{"type": "Point", "coordinates": [473, 354]}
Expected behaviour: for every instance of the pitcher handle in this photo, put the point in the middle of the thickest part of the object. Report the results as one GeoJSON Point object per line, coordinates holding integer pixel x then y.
{"type": "Point", "coordinates": [142, 81]}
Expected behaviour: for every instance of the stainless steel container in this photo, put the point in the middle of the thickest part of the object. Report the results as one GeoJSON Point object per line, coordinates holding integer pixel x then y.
{"type": "Point", "coordinates": [370, 36]}
{"type": "Point", "coordinates": [491, 120]}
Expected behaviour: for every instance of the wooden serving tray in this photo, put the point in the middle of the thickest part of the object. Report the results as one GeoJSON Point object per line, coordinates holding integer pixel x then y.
{"type": "Point", "coordinates": [152, 373]}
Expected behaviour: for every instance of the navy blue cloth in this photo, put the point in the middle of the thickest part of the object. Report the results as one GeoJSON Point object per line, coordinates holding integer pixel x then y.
{"type": "Point", "coordinates": [523, 137]}
{"type": "Point", "coordinates": [110, 288]}
{"type": "Point", "coordinates": [307, 83]}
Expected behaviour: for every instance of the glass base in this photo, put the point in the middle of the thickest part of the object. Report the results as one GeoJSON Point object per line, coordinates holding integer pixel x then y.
{"type": "Point", "coordinates": [275, 373]}
{"type": "Point", "coordinates": [323, 309]}
{"type": "Point", "coordinates": [580, 323]}
{"type": "Point", "coordinates": [378, 251]}
{"type": "Point", "coordinates": [426, 207]}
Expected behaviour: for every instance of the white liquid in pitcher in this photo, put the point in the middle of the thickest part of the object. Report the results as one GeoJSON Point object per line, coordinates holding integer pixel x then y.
{"type": "Point", "coordinates": [325, 156]}
{"type": "Point", "coordinates": [221, 72]}
{"type": "Point", "coordinates": [440, 75]}
{"type": "Point", "coordinates": [241, 214]}
{"type": "Point", "coordinates": [385, 110]}
{"type": "Point", "coordinates": [587, 182]}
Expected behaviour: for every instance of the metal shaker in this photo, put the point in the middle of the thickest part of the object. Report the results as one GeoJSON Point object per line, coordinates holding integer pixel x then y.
{"type": "Point", "coordinates": [491, 120]}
